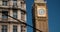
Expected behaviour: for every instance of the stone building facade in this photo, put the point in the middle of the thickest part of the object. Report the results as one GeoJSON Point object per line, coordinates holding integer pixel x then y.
{"type": "Point", "coordinates": [16, 9]}
{"type": "Point", "coordinates": [40, 16]}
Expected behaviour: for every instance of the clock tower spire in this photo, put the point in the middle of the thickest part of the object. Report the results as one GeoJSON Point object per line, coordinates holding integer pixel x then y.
{"type": "Point", "coordinates": [40, 16]}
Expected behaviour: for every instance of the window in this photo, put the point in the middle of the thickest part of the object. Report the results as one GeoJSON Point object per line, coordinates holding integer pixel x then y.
{"type": "Point", "coordinates": [4, 28]}
{"type": "Point", "coordinates": [4, 16]}
{"type": "Point", "coordinates": [23, 27]}
{"type": "Point", "coordinates": [4, 3]}
{"type": "Point", "coordinates": [22, 4]}
{"type": "Point", "coordinates": [14, 28]}
{"type": "Point", "coordinates": [22, 16]}
{"type": "Point", "coordinates": [15, 13]}
{"type": "Point", "coordinates": [44, 0]}
{"type": "Point", "coordinates": [14, 2]}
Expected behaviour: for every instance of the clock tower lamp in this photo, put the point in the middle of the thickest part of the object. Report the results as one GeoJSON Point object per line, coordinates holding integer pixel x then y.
{"type": "Point", "coordinates": [40, 16]}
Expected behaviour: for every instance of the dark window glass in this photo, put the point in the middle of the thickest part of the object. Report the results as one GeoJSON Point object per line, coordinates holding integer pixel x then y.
{"type": "Point", "coordinates": [22, 15]}
{"type": "Point", "coordinates": [23, 28]}
{"type": "Point", "coordinates": [14, 28]}
{"type": "Point", "coordinates": [5, 3]}
{"type": "Point", "coordinates": [15, 13]}
{"type": "Point", "coordinates": [14, 2]}
{"type": "Point", "coordinates": [44, 0]}
{"type": "Point", "coordinates": [4, 28]}
{"type": "Point", "coordinates": [4, 16]}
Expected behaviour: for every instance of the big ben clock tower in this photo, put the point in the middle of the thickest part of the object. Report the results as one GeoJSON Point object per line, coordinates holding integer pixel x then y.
{"type": "Point", "coordinates": [40, 16]}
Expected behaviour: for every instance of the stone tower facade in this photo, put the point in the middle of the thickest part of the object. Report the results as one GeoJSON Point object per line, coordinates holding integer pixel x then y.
{"type": "Point", "coordinates": [17, 10]}
{"type": "Point", "coordinates": [40, 16]}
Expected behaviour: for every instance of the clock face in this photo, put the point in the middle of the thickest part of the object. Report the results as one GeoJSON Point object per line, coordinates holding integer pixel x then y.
{"type": "Point", "coordinates": [41, 11]}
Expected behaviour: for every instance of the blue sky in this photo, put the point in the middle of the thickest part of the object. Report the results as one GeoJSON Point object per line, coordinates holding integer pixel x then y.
{"type": "Point", "coordinates": [53, 15]}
